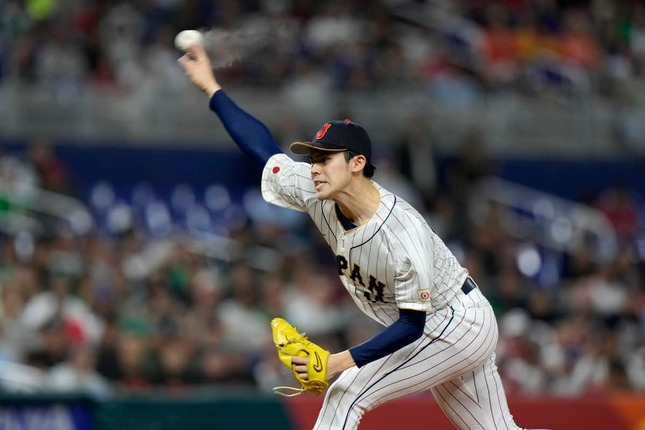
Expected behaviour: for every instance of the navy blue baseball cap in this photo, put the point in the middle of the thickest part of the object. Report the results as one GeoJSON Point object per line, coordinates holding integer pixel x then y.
{"type": "Point", "coordinates": [337, 136]}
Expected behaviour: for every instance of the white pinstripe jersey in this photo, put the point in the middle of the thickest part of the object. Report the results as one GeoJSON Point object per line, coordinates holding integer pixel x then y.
{"type": "Point", "coordinates": [394, 261]}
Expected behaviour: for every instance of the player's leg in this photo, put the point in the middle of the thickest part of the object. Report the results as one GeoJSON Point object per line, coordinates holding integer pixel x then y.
{"type": "Point", "coordinates": [476, 399]}
{"type": "Point", "coordinates": [459, 339]}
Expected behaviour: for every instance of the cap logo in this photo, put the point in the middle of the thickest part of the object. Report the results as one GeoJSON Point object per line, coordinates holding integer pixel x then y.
{"type": "Point", "coordinates": [322, 131]}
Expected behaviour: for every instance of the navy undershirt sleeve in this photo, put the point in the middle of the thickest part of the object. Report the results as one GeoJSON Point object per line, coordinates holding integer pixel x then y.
{"type": "Point", "coordinates": [408, 328]}
{"type": "Point", "coordinates": [250, 135]}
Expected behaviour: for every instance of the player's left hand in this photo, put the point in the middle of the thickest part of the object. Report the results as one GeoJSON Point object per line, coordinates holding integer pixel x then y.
{"type": "Point", "coordinates": [300, 366]}
{"type": "Point", "coordinates": [336, 363]}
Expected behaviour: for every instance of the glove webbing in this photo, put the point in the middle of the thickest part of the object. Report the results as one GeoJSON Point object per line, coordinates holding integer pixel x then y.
{"type": "Point", "coordinates": [283, 390]}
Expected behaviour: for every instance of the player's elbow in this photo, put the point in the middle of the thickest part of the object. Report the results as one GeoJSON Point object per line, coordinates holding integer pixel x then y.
{"type": "Point", "coordinates": [415, 322]}
{"type": "Point", "coordinates": [416, 333]}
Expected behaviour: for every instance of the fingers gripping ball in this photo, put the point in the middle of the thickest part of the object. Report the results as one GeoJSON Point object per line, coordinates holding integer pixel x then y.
{"type": "Point", "coordinates": [289, 342]}
{"type": "Point", "coordinates": [187, 38]}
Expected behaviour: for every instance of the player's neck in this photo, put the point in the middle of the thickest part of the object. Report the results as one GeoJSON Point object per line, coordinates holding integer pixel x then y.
{"type": "Point", "coordinates": [359, 203]}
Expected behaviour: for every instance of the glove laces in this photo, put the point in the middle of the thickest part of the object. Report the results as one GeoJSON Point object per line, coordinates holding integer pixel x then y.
{"type": "Point", "coordinates": [284, 391]}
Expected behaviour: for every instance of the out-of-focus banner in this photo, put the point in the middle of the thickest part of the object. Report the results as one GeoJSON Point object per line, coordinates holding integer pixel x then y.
{"type": "Point", "coordinates": [54, 416]}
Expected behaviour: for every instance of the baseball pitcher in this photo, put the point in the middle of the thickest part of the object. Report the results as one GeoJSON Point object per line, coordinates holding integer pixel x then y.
{"type": "Point", "coordinates": [439, 330]}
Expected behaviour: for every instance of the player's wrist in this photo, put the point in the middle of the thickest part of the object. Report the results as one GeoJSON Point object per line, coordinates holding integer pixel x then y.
{"type": "Point", "coordinates": [339, 362]}
{"type": "Point", "coordinates": [211, 90]}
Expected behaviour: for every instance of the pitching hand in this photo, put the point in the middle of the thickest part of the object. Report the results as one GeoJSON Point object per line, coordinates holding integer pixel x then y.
{"type": "Point", "coordinates": [198, 68]}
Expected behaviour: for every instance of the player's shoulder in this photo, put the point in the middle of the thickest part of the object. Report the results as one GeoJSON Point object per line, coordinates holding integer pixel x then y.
{"type": "Point", "coordinates": [280, 158]}
{"type": "Point", "coordinates": [281, 166]}
{"type": "Point", "coordinates": [398, 214]}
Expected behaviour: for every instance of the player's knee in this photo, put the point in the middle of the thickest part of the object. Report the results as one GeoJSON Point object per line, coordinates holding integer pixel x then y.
{"type": "Point", "coordinates": [348, 389]}
{"type": "Point", "coordinates": [343, 387]}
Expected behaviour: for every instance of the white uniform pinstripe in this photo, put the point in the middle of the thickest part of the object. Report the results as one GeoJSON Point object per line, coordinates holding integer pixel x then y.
{"type": "Point", "coordinates": [396, 261]}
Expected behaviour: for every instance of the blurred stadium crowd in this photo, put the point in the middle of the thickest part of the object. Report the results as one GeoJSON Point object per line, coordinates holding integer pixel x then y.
{"type": "Point", "coordinates": [461, 50]}
{"type": "Point", "coordinates": [122, 310]}
{"type": "Point", "coordinates": [131, 313]}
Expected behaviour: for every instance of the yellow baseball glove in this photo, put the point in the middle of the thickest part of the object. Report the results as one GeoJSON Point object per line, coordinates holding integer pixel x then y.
{"type": "Point", "coordinates": [289, 342]}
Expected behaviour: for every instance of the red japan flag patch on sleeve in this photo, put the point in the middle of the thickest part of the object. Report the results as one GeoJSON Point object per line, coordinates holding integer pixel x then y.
{"type": "Point", "coordinates": [424, 295]}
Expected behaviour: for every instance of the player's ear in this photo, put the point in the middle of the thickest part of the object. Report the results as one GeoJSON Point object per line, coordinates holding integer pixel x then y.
{"type": "Point", "coordinates": [358, 163]}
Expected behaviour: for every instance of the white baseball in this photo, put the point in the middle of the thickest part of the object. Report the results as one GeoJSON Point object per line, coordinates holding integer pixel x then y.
{"type": "Point", "coordinates": [187, 38]}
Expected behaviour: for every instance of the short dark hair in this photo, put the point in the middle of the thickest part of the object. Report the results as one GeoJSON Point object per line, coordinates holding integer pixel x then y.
{"type": "Point", "coordinates": [369, 169]}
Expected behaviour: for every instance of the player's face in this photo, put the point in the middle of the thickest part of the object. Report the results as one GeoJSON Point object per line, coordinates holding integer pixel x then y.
{"type": "Point", "coordinates": [330, 173]}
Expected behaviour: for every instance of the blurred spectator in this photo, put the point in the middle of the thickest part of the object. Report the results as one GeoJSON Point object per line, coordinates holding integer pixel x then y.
{"type": "Point", "coordinates": [415, 154]}
{"type": "Point", "coordinates": [335, 26]}
{"type": "Point", "coordinates": [585, 368]}
{"type": "Point", "coordinates": [619, 206]}
{"type": "Point", "coordinates": [61, 65]}
{"type": "Point", "coordinates": [245, 325]}
{"type": "Point", "coordinates": [15, 336]}
{"type": "Point", "coordinates": [56, 312]}
{"type": "Point", "coordinates": [391, 178]}
{"type": "Point", "coordinates": [132, 368]}
{"type": "Point", "coordinates": [224, 366]}
{"type": "Point", "coordinates": [447, 83]}
{"type": "Point", "coordinates": [472, 162]}
{"type": "Point", "coordinates": [51, 349]}
{"type": "Point", "coordinates": [636, 37]}
{"type": "Point", "coordinates": [77, 374]}
{"type": "Point", "coordinates": [175, 358]}
{"type": "Point", "coordinates": [273, 295]}
{"type": "Point", "coordinates": [469, 167]}
{"type": "Point", "coordinates": [120, 33]}
{"type": "Point", "coordinates": [511, 291]}
{"type": "Point", "coordinates": [205, 297]}
{"type": "Point", "coordinates": [577, 43]}
{"type": "Point", "coordinates": [312, 303]}
{"type": "Point", "coordinates": [52, 171]}
{"type": "Point", "coordinates": [268, 372]}
{"type": "Point", "coordinates": [601, 293]}
{"type": "Point", "coordinates": [160, 61]}
{"type": "Point", "coordinates": [636, 369]}
{"type": "Point", "coordinates": [19, 174]}
{"type": "Point", "coordinates": [500, 47]}
{"type": "Point", "coordinates": [487, 237]}
{"type": "Point", "coordinates": [520, 365]}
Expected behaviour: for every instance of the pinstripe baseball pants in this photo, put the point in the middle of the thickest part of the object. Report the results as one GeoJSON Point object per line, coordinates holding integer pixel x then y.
{"type": "Point", "coordinates": [454, 359]}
